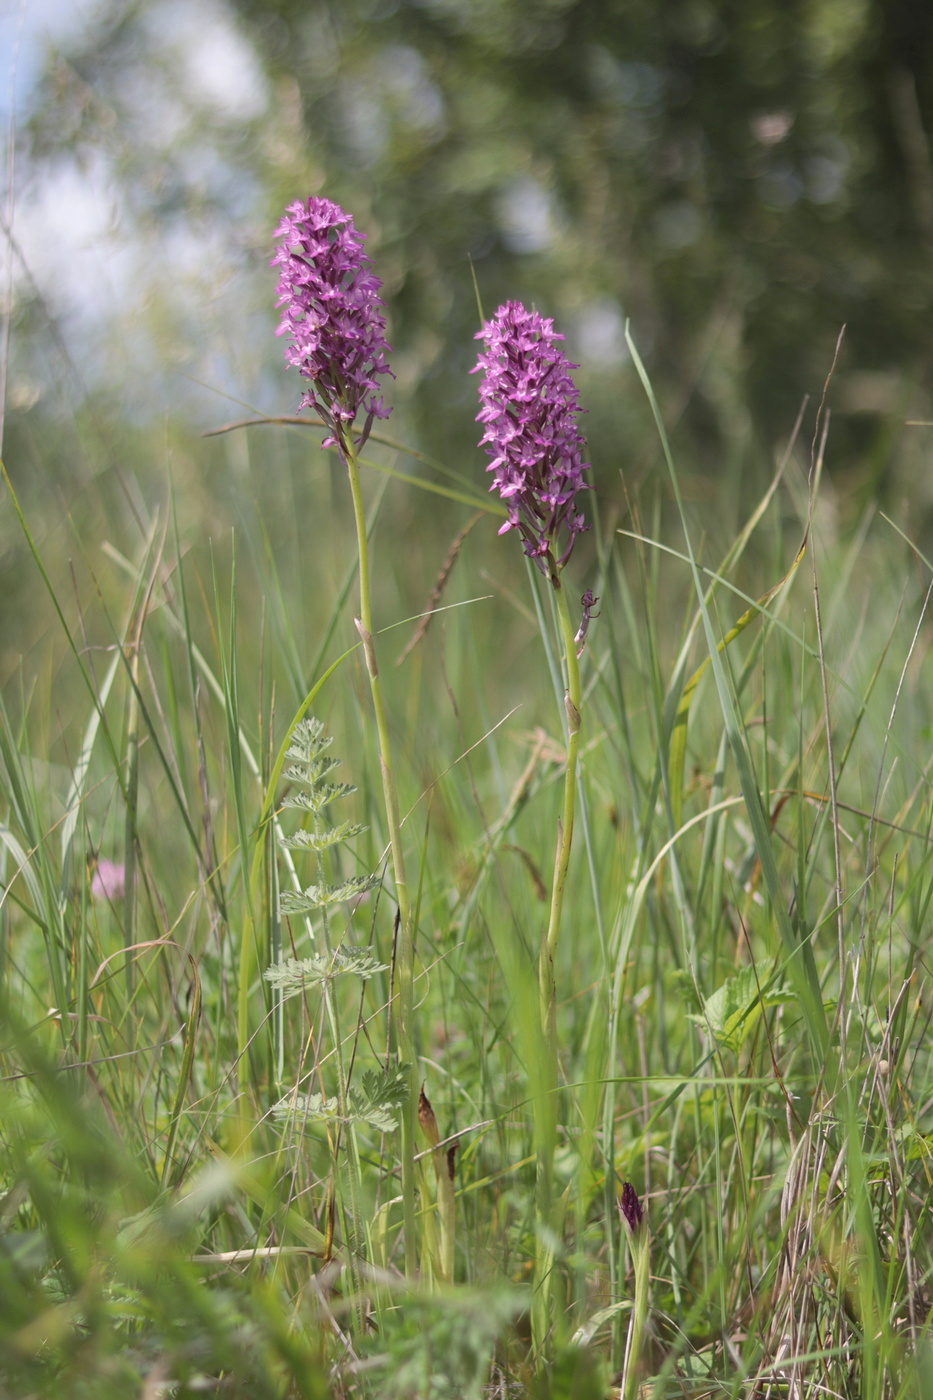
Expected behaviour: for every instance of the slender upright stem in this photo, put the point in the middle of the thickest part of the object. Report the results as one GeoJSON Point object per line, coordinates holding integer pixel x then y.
{"type": "Point", "coordinates": [445, 1255]}
{"type": "Point", "coordinates": [572, 705]}
{"type": "Point", "coordinates": [545, 1095]}
{"type": "Point", "coordinates": [354, 1226]}
{"type": "Point", "coordinates": [404, 996]}
{"type": "Point", "coordinates": [638, 1245]}
{"type": "Point", "coordinates": [129, 838]}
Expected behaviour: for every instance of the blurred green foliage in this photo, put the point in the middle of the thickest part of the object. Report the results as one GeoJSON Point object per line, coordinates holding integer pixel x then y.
{"type": "Point", "coordinates": [738, 179]}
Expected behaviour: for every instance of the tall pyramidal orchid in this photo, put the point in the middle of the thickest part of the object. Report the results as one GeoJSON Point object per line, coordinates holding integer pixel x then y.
{"type": "Point", "coordinates": [333, 316]}
{"type": "Point", "coordinates": [529, 409]}
{"type": "Point", "coordinates": [335, 324]}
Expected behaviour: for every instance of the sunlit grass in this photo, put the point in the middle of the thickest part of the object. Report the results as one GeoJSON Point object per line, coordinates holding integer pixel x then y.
{"type": "Point", "coordinates": [742, 987]}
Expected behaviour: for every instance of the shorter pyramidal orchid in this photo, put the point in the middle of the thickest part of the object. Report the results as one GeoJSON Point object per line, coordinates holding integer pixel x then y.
{"type": "Point", "coordinates": [332, 314]}
{"type": "Point", "coordinates": [529, 408]}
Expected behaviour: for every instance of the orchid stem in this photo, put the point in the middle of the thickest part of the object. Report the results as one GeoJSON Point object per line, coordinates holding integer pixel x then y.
{"type": "Point", "coordinates": [572, 701]}
{"type": "Point", "coordinates": [638, 1246]}
{"type": "Point", "coordinates": [403, 1000]}
{"type": "Point", "coordinates": [545, 1096]}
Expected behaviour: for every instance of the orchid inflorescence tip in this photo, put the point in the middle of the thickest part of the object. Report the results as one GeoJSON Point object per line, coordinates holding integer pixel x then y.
{"type": "Point", "coordinates": [333, 316]}
{"type": "Point", "coordinates": [529, 411]}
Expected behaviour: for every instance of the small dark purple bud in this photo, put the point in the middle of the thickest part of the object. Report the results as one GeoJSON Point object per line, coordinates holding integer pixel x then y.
{"type": "Point", "coordinates": [630, 1207]}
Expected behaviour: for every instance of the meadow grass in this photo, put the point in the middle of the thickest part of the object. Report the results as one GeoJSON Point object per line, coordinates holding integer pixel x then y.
{"type": "Point", "coordinates": [742, 988]}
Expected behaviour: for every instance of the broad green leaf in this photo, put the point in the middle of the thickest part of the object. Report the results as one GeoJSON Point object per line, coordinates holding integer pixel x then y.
{"type": "Point", "coordinates": [733, 1010]}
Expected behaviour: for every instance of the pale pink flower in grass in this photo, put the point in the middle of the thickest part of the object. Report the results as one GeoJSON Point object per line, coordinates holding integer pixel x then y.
{"type": "Point", "coordinates": [332, 314]}
{"type": "Point", "coordinates": [108, 881]}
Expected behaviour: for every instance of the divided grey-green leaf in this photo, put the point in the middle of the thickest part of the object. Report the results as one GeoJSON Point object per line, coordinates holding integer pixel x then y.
{"type": "Point", "coordinates": [377, 1102]}
{"type": "Point", "coordinates": [317, 841]}
{"type": "Point", "coordinates": [299, 974]}
{"type": "Point", "coordinates": [324, 896]}
{"type": "Point", "coordinates": [319, 798]}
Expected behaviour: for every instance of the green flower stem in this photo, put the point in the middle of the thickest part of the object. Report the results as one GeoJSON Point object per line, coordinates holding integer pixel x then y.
{"type": "Point", "coordinates": [405, 968]}
{"type": "Point", "coordinates": [356, 1228]}
{"type": "Point", "coordinates": [447, 1209]}
{"type": "Point", "coordinates": [132, 815]}
{"type": "Point", "coordinates": [638, 1245]}
{"type": "Point", "coordinates": [444, 1171]}
{"type": "Point", "coordinates": [544, 1098]}
{"type": "Point", "coordinates": [572, 704]}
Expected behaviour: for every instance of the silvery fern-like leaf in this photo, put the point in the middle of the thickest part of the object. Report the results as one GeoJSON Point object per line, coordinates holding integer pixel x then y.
{"type": "Point", "coordinates": [327, 792]}
{"type": "Point", "coordinates": [297, 902]}
{"type": "Point", "coordinates": [311, 772]}
{"type": "Point", "coordinates": [382, 1119]}
{"type": "Point", "coordinates": [324, 896]}
{"type": "Point", "coordinates": [308, 740]}
{"type": "Point", "coordinates": [295, 975]}
{"type": "Point", "coordinates": [304, 800]}
{"type": "Point", "coordinates": [377, 1102]}
{"type": "Point", "coordinates": [314, 1108]}
{"type": "Point", "coordinates": [322, 840]}
{"type": "Point", "coordinates": [316, 799]}
{"type": "Point", "coordinates": [387, 1086]}
{"type": "Point", "coordinates": [305, 1108]}
{"type": "Point", "coordinates": [381, 1094]}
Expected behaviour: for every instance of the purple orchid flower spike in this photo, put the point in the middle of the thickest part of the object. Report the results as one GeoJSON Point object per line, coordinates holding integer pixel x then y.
{"type": "Point", "coordinates": [332, 314]}
{"type": "Point", "coordinates": [529, 409]}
